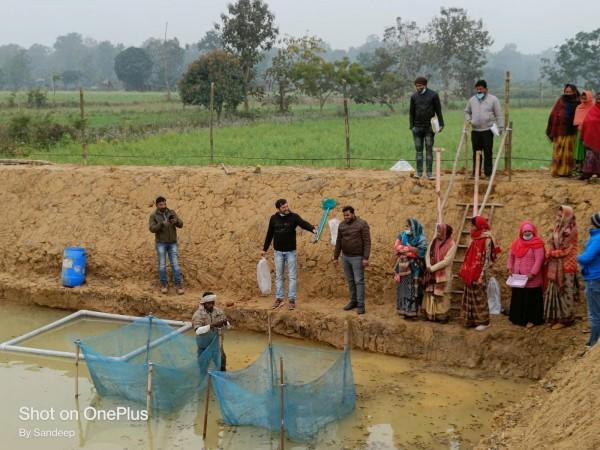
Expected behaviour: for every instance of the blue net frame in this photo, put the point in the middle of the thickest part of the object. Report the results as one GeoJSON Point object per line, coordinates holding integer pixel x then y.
{"type": "Point", "coordinates": [318, 389]}
{"type": "Point", "coordinates": [118, 363]}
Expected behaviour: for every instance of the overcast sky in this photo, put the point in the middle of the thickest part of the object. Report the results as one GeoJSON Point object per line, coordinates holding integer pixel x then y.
{"type": "Point", "coordinates": [534, 25]}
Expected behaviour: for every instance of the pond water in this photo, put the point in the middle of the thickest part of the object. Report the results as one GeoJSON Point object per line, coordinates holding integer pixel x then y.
{"type": "Point", "coordinates": [401, 403]}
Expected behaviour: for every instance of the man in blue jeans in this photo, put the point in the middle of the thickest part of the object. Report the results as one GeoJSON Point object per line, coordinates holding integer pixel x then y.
{"type": "Point", "coordinates": [164, 223]}
{"type": "Point", "coordinates": [589, 261]}
{"type": "Point", "coordinates": [424, 106]}
{"type": "Point", "coordinates": [282, 231]}
{"type": "Point", "coordinates": [354, 241]}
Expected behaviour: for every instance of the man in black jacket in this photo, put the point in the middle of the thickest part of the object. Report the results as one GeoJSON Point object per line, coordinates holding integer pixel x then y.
{"type": "Point", "coordinates": [424, 105]}
{"type": "Point", "coordinates": [282, 231]}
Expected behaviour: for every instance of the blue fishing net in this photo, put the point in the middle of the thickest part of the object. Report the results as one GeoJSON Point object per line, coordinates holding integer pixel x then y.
{"type": "Point", "coordinates": [319, 389]}
{"type": "Point", "coordinates": [118, 363]}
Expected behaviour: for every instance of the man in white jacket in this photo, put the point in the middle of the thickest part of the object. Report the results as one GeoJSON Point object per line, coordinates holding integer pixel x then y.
{"type": "Point", "coordinates": [484, 113]}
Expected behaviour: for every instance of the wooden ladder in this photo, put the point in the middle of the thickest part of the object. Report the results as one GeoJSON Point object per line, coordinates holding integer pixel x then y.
{"type": "Point", "coordinates": [463, 241]}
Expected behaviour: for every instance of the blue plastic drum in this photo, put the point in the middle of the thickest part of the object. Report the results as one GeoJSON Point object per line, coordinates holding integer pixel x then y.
{"type": "Point", "coordinates": [73, 267]}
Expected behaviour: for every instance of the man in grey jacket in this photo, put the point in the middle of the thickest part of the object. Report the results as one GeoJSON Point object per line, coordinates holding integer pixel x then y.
{"type": "Point", "coordinates": [163, 223]}
{"type": "Point", "coordinates": [354, 241]}
{"type": "Point", "coordinates": [482, 112]}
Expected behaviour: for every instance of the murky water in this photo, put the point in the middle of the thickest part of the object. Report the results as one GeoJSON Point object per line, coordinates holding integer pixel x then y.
{"type": "Point", "coordinates": [401, 404]}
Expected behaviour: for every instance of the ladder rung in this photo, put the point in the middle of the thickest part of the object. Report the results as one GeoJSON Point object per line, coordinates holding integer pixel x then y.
{"type": "Point", "coordinates": [455, 291]}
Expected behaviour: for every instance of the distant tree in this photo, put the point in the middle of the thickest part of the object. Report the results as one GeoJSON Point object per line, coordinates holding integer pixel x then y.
{"type": "Point", "coordinates": [577, 60]}
{"type": "Point", "coordinates": [248, 30]}
{"type": "Point", "coordinates": [71, 78]}
{"type": "Point", "coordinates": [103, 56]}
{"type": "Point", "coordinates": [212, 40]}
{"type": "Point", "coordinates": [2, 79]}
{"type": "Point", "coordinates": [133, 67]}
{"type": "Point", "coordinates": [281, 73]}
{"type": "Point", "coordinates": [220, 67]}
{"type": "Point", "coordinates": [167, 58]}
{"type": "Point", "coordinates": [69, 52]}
{"type": "Point", "coordinates": [388, 84]}
{"type": "Point", "coordinates": [320, 79]}
{"type": "Point", "coordinates": [16, 68]}
{"type": "Point", "coordinates": [38, 56]}
{"type": "Point", "coordinates": [459, 45]}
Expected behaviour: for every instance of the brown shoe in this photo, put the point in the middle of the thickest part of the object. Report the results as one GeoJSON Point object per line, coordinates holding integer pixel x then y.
{"type": "Point", "coordinates": [278, 304]}
{"type": "Point", "coordinates": [180, 290]}
{"type": "Point", "coordinates": [164, 289]}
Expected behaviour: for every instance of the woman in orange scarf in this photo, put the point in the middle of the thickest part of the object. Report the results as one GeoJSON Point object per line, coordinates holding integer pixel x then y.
{"type": "Point", "coordinates": [590, 134]}
{"type": "Point", "coordinates": [438, 261]}
{"type": "Point", "coordinates": [587, 102]}
{"type": "Point", "coordinates": [561, 270]}
{"type": "Point", "coordinates": [480, 255]}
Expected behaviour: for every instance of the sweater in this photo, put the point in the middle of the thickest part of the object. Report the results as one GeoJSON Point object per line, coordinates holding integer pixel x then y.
{"type": "Point", "coordinates": [282, 231]}
{"type": "Point", "coordinates": [164, 233]}
{"type": "Point", "coordinates": [530, 264]}
{"type": "Point", "coordinates": [423, 107]}
{"type": "Point", "coordinates": [589, 260]}
{"type": "Point", "coordinates": [482, 114]}
{"type": "Point", "coordinates": [354, 239]}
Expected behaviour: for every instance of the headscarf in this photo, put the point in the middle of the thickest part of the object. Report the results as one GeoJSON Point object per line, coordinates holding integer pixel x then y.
{"type": "Point", "coordinates": [440, 248]}
{"type": "Point", "coordinates": [565, 232]}
{"type": "Point", "coordinates": [474, 261]}
{"type": "Point", "coordinates": [520, 246]}
{"type": "Point", "coordinates": [416, 239]}
{"type": "Point", "coordinates": [590, 128]}
{"type": "Point", "coordinates": [583, 108]}
{"type": "Point", "coordinates": [560, 122]}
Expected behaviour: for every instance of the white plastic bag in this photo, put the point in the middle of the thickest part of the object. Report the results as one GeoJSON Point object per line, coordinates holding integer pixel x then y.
{"type": "Point", "coordinates": [493, 295]}
{"type": "Point", "coordinates": [495, 130]}
{"type": "Point", "coordinates": [402, 166]}
{"type": "Point", "coordinates": [435, 125]}
{"type": "Point", "coordinates": [334, 224]}
{"type": "Point", "coordinates": [263, 276]}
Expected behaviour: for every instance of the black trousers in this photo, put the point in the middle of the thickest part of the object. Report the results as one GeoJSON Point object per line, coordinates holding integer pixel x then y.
{"type": "Point", "coordinates": [483, 140]}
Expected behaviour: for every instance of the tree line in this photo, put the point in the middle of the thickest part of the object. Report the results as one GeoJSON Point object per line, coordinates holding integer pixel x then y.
{"type": "Point", "coordinates": [246, 56]}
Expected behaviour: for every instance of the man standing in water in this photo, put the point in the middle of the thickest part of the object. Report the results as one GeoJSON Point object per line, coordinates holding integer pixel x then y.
{"type": "Point", "coordinates": [282, 231]}
{"type": "Point", "coordinates": [164, 223]}
{"type": "Point", "coordinates": [354, 241]}
{"type": "Point", "coordinates": [207, 320]}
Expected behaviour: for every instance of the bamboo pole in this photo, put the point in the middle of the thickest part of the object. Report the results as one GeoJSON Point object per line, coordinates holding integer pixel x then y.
{"type": "Point", "coordinates": [281, 408]}
{"type": "Point", "coordinates": [438, 181]}
{"type": "Point", "coordinates": [149, 389]}
{"type": "Point", "coordinates": [269, 325]}
{"type": "Point", "coordinates": [149, 337]}
{"type": "Point", "coordinates": [509, 149]}
{"type": "Point", "coordinates": [212, 108]}
{"type": "Point", "coordinates": [346, 335]}
{"type": "Point", "coordinates": [476, 190]}
{"type": "Point", "coordinates": [461, 145]}
{"type": "Point", "coordinates": [507, 113]}
{"type": "Point", "coordinates": [494, 171]}
{"type": "Point", "coordinates": [165, 64]}
{"type": "Point", "coordinates": [347, 131]}
{"type": "Point", "coordinates": [205, 426]}
{"type": "Point", "coordinates": [78, 345]}
{"type": "Point", "coordinates": [82, 117]}
{"type": "Point", "coordinates": [467, 150]}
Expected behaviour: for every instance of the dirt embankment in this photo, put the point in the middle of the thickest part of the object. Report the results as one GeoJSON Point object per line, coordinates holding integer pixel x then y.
{"type": "Point", "coordinates": [225, 216]}
{"type": "Point", "coordinates": [106, 210]}
{"type": "Point", "coordinates": [559, 412]}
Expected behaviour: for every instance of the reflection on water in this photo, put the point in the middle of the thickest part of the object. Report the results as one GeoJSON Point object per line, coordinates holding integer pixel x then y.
{"type": "Point", "coordinates": [400, 403]}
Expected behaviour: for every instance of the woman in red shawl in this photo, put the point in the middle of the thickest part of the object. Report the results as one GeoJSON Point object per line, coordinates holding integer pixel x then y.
{"type": "Point", "coordinates": [527, 258]}
{"type": "Point", "coordinates": [562, 132]}
{"type": "Point", "coordinates": [590, 135]}
{"type": "Point", "coordinates": [561, 270]}
{"type": "Point", "coordinates": [480, 255]}
{"type": "Point", "coordinates": [438, 261]}
{"type": "Point", "coordinates": [587, 102]}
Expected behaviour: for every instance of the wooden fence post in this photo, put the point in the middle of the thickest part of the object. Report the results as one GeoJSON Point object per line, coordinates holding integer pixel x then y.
{"type": "Point", "coordinates": [212, 108]}
{"type": "Point", "coordinates": [506, 115]}
{"type": "Point", "coordinates": [347, 131]}
{"type": "Point", "coordinates": [82, 117]}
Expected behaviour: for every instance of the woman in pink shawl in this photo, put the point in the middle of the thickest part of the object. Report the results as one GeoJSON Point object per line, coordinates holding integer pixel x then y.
{"type": "Point", "coordinates": [587, 102]}
{"type": "Point", "coordinates": [438, 261]}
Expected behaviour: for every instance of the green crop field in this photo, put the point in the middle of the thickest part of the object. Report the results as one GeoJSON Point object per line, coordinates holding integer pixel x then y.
{"type": "Point", "coordinates": [144, 129]}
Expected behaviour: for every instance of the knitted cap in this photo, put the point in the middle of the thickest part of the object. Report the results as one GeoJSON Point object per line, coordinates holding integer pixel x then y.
{"type": "Point", "coordinates": [596, 220]}
{"type": "Point", "coordinates": [421, 80]}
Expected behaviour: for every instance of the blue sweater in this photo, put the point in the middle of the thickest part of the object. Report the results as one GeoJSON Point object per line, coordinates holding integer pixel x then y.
{"type": "Point", "coordinates": [589, 260]}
